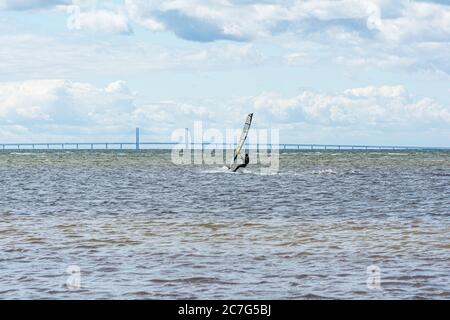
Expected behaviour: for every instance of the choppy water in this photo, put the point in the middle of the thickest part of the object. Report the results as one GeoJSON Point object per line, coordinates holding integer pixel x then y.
{"type": "Point", "coordinates": [140, 227]}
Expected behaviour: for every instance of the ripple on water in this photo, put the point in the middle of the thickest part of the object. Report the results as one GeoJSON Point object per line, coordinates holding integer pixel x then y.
{"type": "Point", "coordinates": [139, 227]}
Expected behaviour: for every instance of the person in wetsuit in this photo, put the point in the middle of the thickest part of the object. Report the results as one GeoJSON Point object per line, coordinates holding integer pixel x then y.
{"type": "Point", "coordinates": [243, 165]}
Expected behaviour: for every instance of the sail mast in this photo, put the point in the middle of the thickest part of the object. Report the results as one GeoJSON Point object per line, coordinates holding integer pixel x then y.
{"type": "Point", "coordinates": [244, 134]}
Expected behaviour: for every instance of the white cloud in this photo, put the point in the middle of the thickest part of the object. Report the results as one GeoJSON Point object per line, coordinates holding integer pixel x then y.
{"type": "Point", "coordinates": [221, 19]}
{"type": "Point", "coordinates": [98, 20]}
{"type": "Point", "coordinates": [55, 108]}
{"type": "Point", "coordinates": [377, 107]}
{"type": "Point", "coordinates": [118, 86]}
{"type": "Point", "coordinates": [61, 102]}
{"type": "Point", "coordinates": [374, 33]}
{"type": "Point", "coordinates": [97, 16]}
{"type": "Point", "coordinates": [383, 91]}
{"type": "Point", "coordinates": [386, 34]}
{"type": "Point", "coordinates": [30, 56]}
{"type": "Point", "coordinates": [419, 22]}
{"type": "Point", "coordinates": [30, 4]}
{"type": "Point", "coordinates": [211, 20]}
{"type": "Point", "coordinates": [351, 50]}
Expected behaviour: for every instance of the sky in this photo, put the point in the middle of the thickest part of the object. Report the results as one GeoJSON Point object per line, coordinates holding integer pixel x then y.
{"type": "Point", "coordinates": [331, 72]}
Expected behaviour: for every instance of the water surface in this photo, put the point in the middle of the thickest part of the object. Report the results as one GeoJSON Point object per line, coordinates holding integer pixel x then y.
{"type": "Point", "coordinates": [140, 227]}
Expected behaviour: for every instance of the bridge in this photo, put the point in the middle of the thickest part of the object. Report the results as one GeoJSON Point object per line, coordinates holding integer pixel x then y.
{"type": "Point", "coordinates": [138, 145]}
{"type": "Point", "coordinates": [197, 146]}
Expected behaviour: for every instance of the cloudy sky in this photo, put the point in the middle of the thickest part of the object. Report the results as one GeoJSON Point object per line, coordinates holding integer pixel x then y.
{"type": "Point", "coordinates": [335, 71]}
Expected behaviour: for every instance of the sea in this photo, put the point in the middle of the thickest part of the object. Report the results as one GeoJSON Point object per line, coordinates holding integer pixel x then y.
{"type": "Point", "coordinates": [134, 225]}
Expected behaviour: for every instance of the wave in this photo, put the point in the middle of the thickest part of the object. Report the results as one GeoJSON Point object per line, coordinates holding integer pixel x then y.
{"type": "Point", "coordinates": [225, 170]}
{"type": "Point", "coordinates": [324, 171]}
{"type": "Point", "coordinates": [22, 153]}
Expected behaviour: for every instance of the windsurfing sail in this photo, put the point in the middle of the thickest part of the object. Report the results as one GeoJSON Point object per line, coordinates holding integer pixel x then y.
{"type": "Point", "coordinates": [244, 134]}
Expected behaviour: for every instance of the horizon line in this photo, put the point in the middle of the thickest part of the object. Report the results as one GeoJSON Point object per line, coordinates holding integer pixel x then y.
{"type": "Point", "coordinates": [285, 146]}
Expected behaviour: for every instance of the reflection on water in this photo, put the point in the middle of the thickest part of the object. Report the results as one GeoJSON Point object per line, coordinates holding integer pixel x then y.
{"type": "Point", "coordinates": [139, 227]}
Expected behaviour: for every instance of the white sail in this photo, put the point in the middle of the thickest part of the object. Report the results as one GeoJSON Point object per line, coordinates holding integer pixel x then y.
{"type": "Point", "coordinates": [244, 134]}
